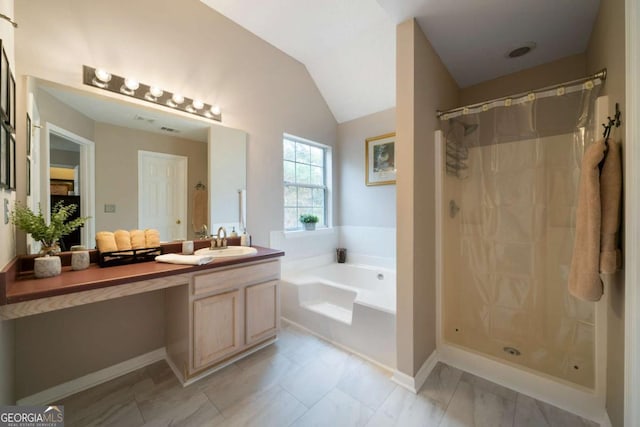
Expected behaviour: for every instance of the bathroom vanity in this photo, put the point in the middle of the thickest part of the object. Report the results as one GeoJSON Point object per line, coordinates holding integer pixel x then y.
{"type": "Point", "coordinates": [215, 313]}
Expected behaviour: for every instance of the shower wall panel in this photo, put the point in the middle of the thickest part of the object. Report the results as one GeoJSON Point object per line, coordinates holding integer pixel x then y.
{"type": "Point", "coordinates": [507, 257]}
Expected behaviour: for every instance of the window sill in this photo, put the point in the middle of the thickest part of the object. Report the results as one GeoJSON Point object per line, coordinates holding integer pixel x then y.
{"type": "Point", "coordinates": [294, 234]}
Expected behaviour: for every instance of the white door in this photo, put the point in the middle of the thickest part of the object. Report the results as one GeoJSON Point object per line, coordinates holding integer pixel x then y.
{"type": "Point", "coordinates": [162, 194]}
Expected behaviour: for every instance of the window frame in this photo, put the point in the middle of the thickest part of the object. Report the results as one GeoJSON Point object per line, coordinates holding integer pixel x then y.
{"type": "Point", "coordinates": [326, 187]}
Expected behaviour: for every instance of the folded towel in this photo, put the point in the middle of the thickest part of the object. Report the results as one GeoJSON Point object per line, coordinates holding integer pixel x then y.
{"type": "Point", "coordinates": [584, 278]}
{"type": "Point", "coordinates": [184, 259]}
{"type": "Point", "coordinates": [152, 238]}
{"type": "Point", "coordinates": [137, 239]}
{"type": "Point", "coordinates": [106, 241]}
{"type": "Point", "coordinates": [123, 239]}
{"type": "Point", "coordinates": [610, 196]}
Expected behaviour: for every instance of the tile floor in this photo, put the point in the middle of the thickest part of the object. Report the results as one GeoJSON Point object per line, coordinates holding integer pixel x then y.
{"type": "Point", "coordinates": [303, 381]}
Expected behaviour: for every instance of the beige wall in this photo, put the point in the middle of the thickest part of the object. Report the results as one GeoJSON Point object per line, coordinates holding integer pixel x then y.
{"type": "Point", "coordinates": [565, 69]}
{"type": "Point", "coordinates": [423, 85]}
{"type": "Point", "coordinates": [117, 171]}
{"type": "Point", "coordinates": [62, 345]}
{"type": "Point", "coordinates": [360, 205]}
{"type": "Point", "coordinates": [7, 240]}
{"type": "Point", "coordinates": [607, 49]}
{"type": "Point", "coordinates": [191, 49]}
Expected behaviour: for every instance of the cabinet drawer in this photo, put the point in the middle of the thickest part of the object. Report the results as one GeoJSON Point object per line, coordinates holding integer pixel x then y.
{"type": "Point", "coordinates": [236, 277]}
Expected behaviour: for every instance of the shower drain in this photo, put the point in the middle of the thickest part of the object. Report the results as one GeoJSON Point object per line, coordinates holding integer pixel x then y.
{"type": "Point", "coordinates": [512, 351]}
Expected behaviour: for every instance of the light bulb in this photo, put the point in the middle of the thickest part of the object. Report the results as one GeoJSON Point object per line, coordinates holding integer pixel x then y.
{"type": "Point", "coordinates": [156, 91]}
{"type": "Point", "coordinates": [197, 104]}
{"type": "Point", "coordinates": [131, 84]}
{"type": "Point", "coordinates": [101, 78]}
{"type": "Point", "coordinates": [177, 99]}
{"type": "Point", "coordinates": [102, 75]}
{"type": "Point", "coordinates": [215, 110]}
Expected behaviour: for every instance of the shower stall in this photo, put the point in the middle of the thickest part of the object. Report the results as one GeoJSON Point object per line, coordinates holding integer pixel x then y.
{"type": "Point", "coordinates": [509, 194]}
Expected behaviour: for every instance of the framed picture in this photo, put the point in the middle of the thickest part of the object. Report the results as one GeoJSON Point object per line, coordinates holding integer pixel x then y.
{"type": "Point", "coordinates": [28, 177]}
{"type": "Point", "coordinates": [4, 159]}
{"type": "Point", "coordinates": [4, 79]}
{"type": "Point", "coordinates": [28, 135]}
{"type": "Point", "coordinates": [380, 160]}
{"type": "Point", "coordinates": [11, 101]}
{"type": "Point", "coordinates": [12, 160]}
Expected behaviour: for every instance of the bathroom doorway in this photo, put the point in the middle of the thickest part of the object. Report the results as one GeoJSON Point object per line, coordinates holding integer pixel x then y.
{"type": "Point", "coordinates": [162, 194]}
{"type": "Point", "coordinates": [69, 177]}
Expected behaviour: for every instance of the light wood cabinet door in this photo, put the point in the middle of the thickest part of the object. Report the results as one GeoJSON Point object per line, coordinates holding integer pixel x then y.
{"type": "Point", "coordinates": [262, 311]}
{"type": "Point", "coordinates": [216, 327]}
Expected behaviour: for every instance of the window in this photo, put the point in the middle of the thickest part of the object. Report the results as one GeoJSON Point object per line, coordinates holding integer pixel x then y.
{"type": "Point", "coordinates": [306, 173]}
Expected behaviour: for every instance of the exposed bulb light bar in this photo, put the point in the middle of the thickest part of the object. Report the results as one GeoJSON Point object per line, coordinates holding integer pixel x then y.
{"type": "Point", "coordinates": [100, 78]}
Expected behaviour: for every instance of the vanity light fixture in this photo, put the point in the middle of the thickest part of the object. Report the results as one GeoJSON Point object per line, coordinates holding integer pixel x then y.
{"type": "Point", "coordinates": [100, 78]}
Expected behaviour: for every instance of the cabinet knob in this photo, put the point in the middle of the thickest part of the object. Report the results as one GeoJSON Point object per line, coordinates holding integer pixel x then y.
{"type": "Point", "coordinates": [178, 222]}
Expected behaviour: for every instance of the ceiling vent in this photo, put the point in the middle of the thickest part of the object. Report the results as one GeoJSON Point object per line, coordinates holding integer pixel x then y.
{"type": "Point", "coordinates": [171, 130]}
{"type": "Point", "coordinates": [521, 50]}
{"type": "Point", "coordinates": [144, 119]}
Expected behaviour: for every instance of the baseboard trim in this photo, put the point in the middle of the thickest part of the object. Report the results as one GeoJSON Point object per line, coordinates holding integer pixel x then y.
{"type": "Point", "coordinates": [606, 421]}
{"type": "Point", "coordinates": [415, 383]}
{"type": "Point", "coordinates": [579, 401]}
{"type": "Point", "coordinates": [85, 382]}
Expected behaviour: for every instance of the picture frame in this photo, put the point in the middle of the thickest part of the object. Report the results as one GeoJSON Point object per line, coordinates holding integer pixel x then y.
{"type": "Point", "coordinates": [28, 135]}
{"type": "Point", "coordinates": [4, 159]}
{"type": "Point", "coordinates": [28, 177]}
{"type": "Point", "coordinates": [12, 161]}
{"type": "Point", "coordinates": [4, 79]}
{"type": "Point", "coordinates": [380, 162]}
{"type": "Point", "coordinates": [11, 101]}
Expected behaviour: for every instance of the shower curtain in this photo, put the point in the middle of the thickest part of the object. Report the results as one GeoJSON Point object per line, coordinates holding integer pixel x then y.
{"type": "Point", "coordinates": [510, 193]}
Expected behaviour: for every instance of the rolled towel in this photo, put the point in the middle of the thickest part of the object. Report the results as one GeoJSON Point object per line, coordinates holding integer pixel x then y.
{"type": "Point", "coordinates": [152, 238]}
{"type": "Point", "coordinates": [184, 259]}
{"type": "Point", "coordinates": [106, 241]}
{"type": "Point", "coordinates": [137, 239]}
{"type": "Point", "coordinates": [123, 239]}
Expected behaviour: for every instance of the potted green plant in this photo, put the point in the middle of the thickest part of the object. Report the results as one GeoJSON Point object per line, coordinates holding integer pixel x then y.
{"type": "Point", "coordinates": [47, 234]}
{"type": "Point", "coordinates": [309, 221]}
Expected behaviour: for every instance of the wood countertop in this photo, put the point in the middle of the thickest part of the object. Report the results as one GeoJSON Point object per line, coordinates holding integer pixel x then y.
{"type": "Point", "coordinates": [16, 287]}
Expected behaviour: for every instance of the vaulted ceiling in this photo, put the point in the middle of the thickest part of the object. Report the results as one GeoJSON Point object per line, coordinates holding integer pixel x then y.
{"type": "Point", "coordinates": [348, 46]}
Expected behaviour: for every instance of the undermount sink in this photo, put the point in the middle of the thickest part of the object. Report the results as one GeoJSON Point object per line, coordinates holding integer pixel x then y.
{"type": "Point", "coordinates": [229, 251]}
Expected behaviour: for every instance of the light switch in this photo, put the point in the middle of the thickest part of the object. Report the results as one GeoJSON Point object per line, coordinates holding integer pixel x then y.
{"type": "Point", "coordinates": [109, 208]}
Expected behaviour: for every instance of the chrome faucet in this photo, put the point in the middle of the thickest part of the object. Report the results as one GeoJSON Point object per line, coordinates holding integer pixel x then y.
{"type": "Point", "coordinates": [220, 240]}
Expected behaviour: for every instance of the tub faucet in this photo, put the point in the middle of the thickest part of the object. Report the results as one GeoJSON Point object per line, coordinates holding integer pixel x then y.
{"type": "Point", "coordinates": [220, 240]}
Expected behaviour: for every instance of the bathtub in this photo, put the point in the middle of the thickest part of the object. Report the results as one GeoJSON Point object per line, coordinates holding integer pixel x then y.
{"type": "Point", "coordinates": [351, 305]}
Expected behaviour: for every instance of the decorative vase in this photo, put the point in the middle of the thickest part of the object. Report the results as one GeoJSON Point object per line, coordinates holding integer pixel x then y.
{"type": "Point", "coordinates": [309, 226]}
{"type": "Point", "coordinates": [80, 260]}
{"type": "Point", "coordinates": [47, 266]}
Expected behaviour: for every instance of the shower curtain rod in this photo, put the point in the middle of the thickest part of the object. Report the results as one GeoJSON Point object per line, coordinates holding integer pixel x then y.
{"type": "Point", "coordinates": [529, 95]}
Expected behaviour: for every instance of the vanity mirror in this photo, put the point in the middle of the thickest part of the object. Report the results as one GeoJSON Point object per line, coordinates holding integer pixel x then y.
{"type": "Point", "coordinates": [132, 166]}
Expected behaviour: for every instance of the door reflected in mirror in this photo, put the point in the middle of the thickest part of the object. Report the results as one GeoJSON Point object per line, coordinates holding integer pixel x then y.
{"type": "Point", "coordinates": [131, 166]}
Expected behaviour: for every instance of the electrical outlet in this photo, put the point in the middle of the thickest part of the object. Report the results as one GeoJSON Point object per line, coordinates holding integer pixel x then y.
{"type": "Point", "coordinates": [109, 208]}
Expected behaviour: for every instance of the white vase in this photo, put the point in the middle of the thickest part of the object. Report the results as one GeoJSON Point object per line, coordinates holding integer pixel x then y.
{"type": "Point", "coordinates": [309, 226]}
{"type": "Point", "coordinates": [47, 266]}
